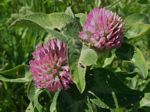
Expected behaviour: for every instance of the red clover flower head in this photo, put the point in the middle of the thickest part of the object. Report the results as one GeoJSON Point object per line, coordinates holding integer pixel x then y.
{"type": "Point", "coordinates": [50, 67]}
{"type": "Point", "coordinates": [103, 29]}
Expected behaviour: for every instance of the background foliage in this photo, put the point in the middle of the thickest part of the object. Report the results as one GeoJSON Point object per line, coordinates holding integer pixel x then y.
{"type": "Point", "coordinates": [116, 81]}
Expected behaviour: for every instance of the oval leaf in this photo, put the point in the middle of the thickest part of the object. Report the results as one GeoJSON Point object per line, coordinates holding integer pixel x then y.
{"type": "Point", "coordinates": [136, 25]}
{"type": "Point", "coordinates": [139, 61]}
{"type": "Point", "coordinates": [87, 57]}
{"type": "Point", "coordinates": [45, 21]}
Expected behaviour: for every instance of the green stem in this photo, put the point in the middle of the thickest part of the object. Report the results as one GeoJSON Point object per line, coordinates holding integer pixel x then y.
{"type": "Point", "coordinates": [115, 99]}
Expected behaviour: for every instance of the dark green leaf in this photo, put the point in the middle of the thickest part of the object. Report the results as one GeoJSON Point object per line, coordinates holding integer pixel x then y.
{"type": "Point", "coordinates": [71, 101]}
{"type": "Point", "coordinates": [125, 52]}
{"type": "Point", "coordinates": [97, 101]}
{"type": "Point", "coordinates": [103, 82]}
